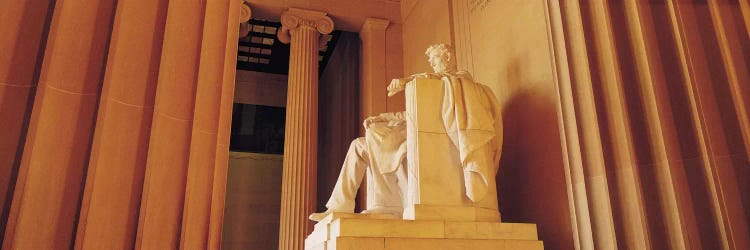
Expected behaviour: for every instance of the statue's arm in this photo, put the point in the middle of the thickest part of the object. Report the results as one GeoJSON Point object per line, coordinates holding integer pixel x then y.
{"type": "Point", "coordinates": [394, 116]}
{"type": "Point", "coordinates": [385, 117]}
{"type": "Point", "coordinates": [399, 84]}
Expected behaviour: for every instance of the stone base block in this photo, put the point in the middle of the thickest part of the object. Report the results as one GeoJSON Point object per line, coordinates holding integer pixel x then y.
{"type": "Point", "coordinates": [450, 213]}
{"type": "Point", "coordinates": [357, 231]}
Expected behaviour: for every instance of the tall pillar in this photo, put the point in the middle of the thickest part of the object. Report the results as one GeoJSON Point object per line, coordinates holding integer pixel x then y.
{"type": "Point", "coordinates": [48, 191]}
{"type": "Point", "coordinates": [24, 26]}
{"type": "Point", "coordinates": [197, 210]}
{"type": "Point", "coordinates": [702, 78]}
{"type": "Point", "coordinates": [163, 195]}
{"type": "Point", "coordinates": [575, 174]}
{"type": "Point", "coordinates": [591, 147]}
{"type": "Point", "coordinates": [241, 12]}
{"type": "Point", "coordinates": [628, 199]}
{"type": "Point", "coordinates": [673, 203]}
{"type": "Point", "coordinates": [109, 211]}
{"type": "Point", "coordinates": [301, 28]}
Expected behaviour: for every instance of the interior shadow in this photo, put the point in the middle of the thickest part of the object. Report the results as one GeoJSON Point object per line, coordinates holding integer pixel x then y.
{"type": "Point", "coordinates": [531, 180]}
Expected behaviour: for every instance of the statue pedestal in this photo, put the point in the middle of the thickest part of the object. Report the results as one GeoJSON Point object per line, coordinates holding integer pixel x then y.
{"type": "Point", "coordinates": [343, 231]}
{"type": "Point", "coordinates": [437, 212]}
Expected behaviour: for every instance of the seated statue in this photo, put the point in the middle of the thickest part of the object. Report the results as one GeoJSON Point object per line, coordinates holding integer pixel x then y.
{"type": "Point", "coordinates": [471, 118]}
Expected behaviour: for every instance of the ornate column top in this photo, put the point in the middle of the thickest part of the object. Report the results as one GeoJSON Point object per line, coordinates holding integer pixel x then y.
{"type": "Point", "coordinates": [245, 11]}
{"type": "Point", "coordinates": [245, 14]}
{"type": "Point", "coordinates": [294, 18]}
{"type": "Point", "coordinates": [375, 24]}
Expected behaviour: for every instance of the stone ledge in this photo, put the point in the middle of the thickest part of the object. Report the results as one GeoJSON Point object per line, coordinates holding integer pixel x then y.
{"type": "Point", "coordinates": [386, 228]}
{"type": "Point", "coordinates": [368, 231]}
{"type": "Point", "coordinates": [362, 243]}
{"type": "Point", "coordinates": [321, 231]}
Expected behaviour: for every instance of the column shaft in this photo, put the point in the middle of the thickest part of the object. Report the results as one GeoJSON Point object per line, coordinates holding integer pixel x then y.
{"type": "Point", "coordinates": [596, 178]}
{"type": "Point", "coordinates": [632, 213]}
{"type": "Point", "coordinates": [584, 238]}
{"type": "Point", "coordinates": [745, 9]}
{"type": "Point", "coordinates": [24, 26]}
{"type": "Point", "coordinates": [109, 211]}
{"type": "Point", "coordinates": [301, 28]}
{"type": "Point", "coordinates": [703, 74]}
{"type": "Point", "coordinates": [662, 137]}
{"type": "Point", "coordinates": [731, 42]}
{"type": "Point", "coordinates": [225, 124]}
{"type": "Point", "coordinates": [49, 187]}
{"type": "Point", "coordinates": [195, 216]}
{"type": "Point", "coordinates": [169, 146]}
{"type": "Point", "coordinates": [300, 140]}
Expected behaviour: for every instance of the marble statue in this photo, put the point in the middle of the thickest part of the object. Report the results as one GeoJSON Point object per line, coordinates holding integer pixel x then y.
{"type": "Point", "coordinates": [471, 118]}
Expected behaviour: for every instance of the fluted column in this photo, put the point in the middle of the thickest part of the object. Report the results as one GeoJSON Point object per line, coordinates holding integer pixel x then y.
{"type": "Point", "coordinates": [24, 27]}
{"type": "Point", "coordinates": [575, 176]}
{"type": "Point", "coordinates": [593, 156]}
{"type": "Point", "coordinates": [203, 144]}
{"type": "Point", "coordinates": [610, 79]}
{"type": "Point", "coordinates": [701, 80]}
{"type": "Point", "coordinates": [674, 203]}
{"type": "Point", "coordinates": [745, 8]}
{"type": "Point", "coordinates": [241, 12]}
{"type": "Point", "coordinates": [301, 28]}
{"type": "Point", "coordinates": [169, 145]}
{"type": "Point", "coordinates": [49, 187]}
{"type": "Point", "coordinates": [109, 211]}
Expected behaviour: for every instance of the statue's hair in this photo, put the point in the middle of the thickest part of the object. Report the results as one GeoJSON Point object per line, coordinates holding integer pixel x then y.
{"type": "Point", "coordinates": [444, 50]}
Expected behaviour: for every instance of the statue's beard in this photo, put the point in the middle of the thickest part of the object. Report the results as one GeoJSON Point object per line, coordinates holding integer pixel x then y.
{"type": "Point", "coordinates": [440, 68]}
{"type": "Point", "coordinates": [443, 68]}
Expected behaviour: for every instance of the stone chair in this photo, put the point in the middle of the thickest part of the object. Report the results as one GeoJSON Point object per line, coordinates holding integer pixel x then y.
{"type": "Point", "coordinates": [436, 189]}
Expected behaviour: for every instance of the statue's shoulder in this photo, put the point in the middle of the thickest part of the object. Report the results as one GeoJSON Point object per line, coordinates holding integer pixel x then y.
{"type": "Point", "coordinates": [463, 74]}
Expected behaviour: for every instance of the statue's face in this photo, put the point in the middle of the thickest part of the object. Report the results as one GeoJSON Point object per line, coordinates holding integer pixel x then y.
{"type": "Point", "coordinates": [438, 62]}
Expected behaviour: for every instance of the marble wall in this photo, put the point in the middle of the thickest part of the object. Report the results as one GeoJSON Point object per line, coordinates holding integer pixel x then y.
{"type": "Point", "coordinates": [253, 201]}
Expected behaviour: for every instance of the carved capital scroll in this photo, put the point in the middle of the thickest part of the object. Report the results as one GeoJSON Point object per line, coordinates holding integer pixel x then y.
{"type": "Point", "coordinates": [245, 14]}
{"type": "Point", "coordinates": [297, 18]}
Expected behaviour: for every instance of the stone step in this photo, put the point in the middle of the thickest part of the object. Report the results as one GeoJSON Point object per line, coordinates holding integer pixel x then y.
{"type": "Point", "coordinates": [321, 231]}
{"type": "Point", "coordinates": [357, 227]}
{"type": "Point", "coordinates": [345, 228]}
{"type": "Point", "coordinates": [367, 243]}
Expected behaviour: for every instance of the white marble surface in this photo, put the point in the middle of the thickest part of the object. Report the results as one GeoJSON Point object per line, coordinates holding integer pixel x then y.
{"type": "Point", "coordinates": [359, 231]}
{"type": "Point", "coordinates": [451, 139]}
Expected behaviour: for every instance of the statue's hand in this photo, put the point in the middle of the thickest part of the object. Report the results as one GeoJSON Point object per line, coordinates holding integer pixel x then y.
{"type": "Point", "coordinates": [372, 119]}
{"type": "Point", "coordinates": [397, 85]}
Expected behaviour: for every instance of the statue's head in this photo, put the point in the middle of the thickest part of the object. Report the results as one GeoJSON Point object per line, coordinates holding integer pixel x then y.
{"type": "Point", "coordinates": [440, 57]}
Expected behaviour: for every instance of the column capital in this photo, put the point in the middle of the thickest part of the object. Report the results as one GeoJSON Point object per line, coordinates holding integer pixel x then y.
{"type": "Point", "coordinates": [245, 14]}
{"type": "Point", "coordinates": [374, 24]}
{"type": "Point", "coordinates": [245, 11]}
{"type": "Point", "coordinates": [294, 18]}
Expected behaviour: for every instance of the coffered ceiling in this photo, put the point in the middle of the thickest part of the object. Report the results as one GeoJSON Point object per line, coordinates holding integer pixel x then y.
{"type": "Point", "coordinates": [347, 15]}
{"type": "Point", "coordinates": [262, 51]}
